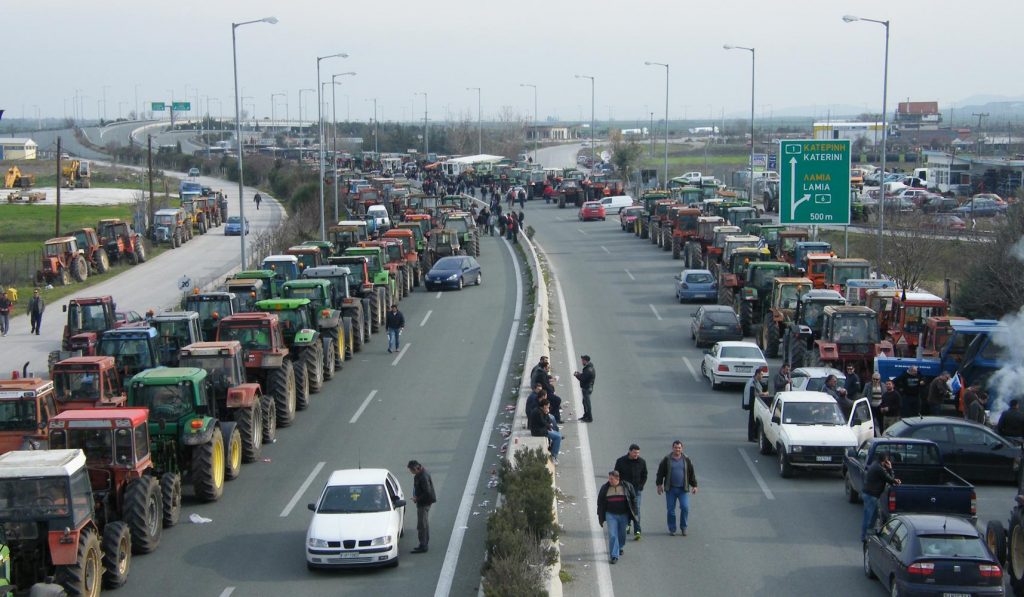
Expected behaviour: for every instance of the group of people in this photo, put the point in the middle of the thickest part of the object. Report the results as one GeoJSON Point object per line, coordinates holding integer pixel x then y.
{"type": "Point", "coordinates": [36, 306]}
{"type": "Point", "coordinates": [544, 406]}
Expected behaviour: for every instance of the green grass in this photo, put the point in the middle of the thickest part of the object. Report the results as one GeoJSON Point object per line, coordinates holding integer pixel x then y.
{"type": "Point", "coordinates": [28, 224]}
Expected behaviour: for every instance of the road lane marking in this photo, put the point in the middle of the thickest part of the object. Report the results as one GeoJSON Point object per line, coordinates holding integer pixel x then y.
{"type": "Point", "coordinates": [451, 556]}
{"type": "Point", "coordinates": [600, 548]}
{"type": "Point", "coordinates": [227, 592]}
{"type": "Point", "coordinates": [605, 249]}
{"type": "Point", "coordinates": [630, 275]}
{"type": "Point", "coordinates": [362, 407]}
{"type": "Point", "coordinates": [655, 311]}
{"type": "Point", "coordinates": [438, 295]}
{"type": "Point", "coordinates": [581, 231]}
{"type": "Point", "coordinates": [401, 353]}
{"type": "Point", "coordinates": [693, 372]}
{"type": "Point", "coordinates": [302, 489]}
{"type": "Point", "coordinates": [757, 476]}
{"type": "Point", "coordinates": [425, 318]}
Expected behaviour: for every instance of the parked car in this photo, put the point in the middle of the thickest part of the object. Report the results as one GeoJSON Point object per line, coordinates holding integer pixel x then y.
{"type": "Point", "coordinates": [127, 317]}
{"type": "Point", "coordinates": [980, 206]}
{"type": "Point", "coordinates": [939, 204]}
{"type": "Point", "coordinates": [712, 323]}
{"type": "Point", "coordinates": [930, 554]}
{"type": "Point", "coordinates": [616, 203]}
{"type": "Point", "coordinates": [357, 520]}
{"type": "Point", "coordinates": [454, 271]}
{"type": "Point", "coordinates": [233, 227]}
{"type": "Point", "coordinates": [696, 284]}
{"type": "Point", "coordinates": [628, 216]}
{"type": "Point", "coordinates": [591, 210]}
{"type": "Point", "coordinates": [812, 379]}
{"type": "Point", "coordinates": [193, 172]}
{"type": "Point", "coordinates": [732, 362]}
{"type": "Point", "coordinates": [945, 223]}
{"type": "Point", "coordinates": [969, 449]}
{"type": "Point", "coordinates": [991, 196]}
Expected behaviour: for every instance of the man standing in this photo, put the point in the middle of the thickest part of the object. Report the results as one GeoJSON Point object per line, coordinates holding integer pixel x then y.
{"type": "Point", "coordinates": [756, 388]}
{"type": "Point", "coordinates": [782, 380]}
{"type": "Point", "coordinates": [1011, 424]}
{"type": "Point", "coordinates": [423, 495]}
{"type": "Point", "coordinates": [587, 377]}
{"type": "Point", "coordinates": [891, 405]}
{"type": "Point", "coordinates": [976, 410]}
{"type": "Point", "coordinates": [257, 199]}
{"type": "Point", "coordinates": [5, 312]}
{"type": "Point", "coordinates": [875, 479]}
{"type": "Point", "coordinates": [938, 393]}
{"type": "Point", "coordinates": [616, 503]}
{"type": "Point", "coordinates": [852, 385]}
{"type": "Point", "coordinates": [677, 480]}
{"type": "Point", "coordinates": [395, 323]}
{"type": "Point", "coordinates": [633, 470]}
{"type": "Point", "coordinates": [909, 384]}
{"type": "Point", "coordinates": [36, 306]}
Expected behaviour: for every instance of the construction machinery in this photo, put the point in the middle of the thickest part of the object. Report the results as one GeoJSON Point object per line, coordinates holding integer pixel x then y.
{"type": "Point", "coordinates": [76, 174]}
{"type": "Point", "coordinates": [120, 241]}
{"type": "Point", "coordinates": [849, 337]}
{"type": "Point", "coordinates": [87, 382]}
{"type": "Point", "coordinates": [211, 307]}
{"type": "Point", "coordinates": [16, 179]}
{"type": "Point", "coordinates": [92, 249]}
{"type": "Point", "coordinates": [134, 349]}
{"type": "Point", "coordinates": [265, 357]}
{"type": "Point", "coordinates": [62, 262]}
{"type": "Point", "coordinates": [186, 438]}
{"type": "Point", "coordinates": [354, 308]}
{"type": "Point", "coordinates": [174, 330]}
{"type": "Point", "coordinates": [26, 405]}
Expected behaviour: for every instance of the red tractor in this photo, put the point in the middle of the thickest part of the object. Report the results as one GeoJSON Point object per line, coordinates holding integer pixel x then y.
{"type": "Point", "coordinates": [264, 355]}
{"type": "Point", "coordinates": [25, 406]}
{"type": "Point", "coordinates": [92, 250]}
{"type": "Point", "coordinates": [682, 228]}
{"type": "Point", "coordinates": [121, 242]}
{"type": "Point", "coordinates": [88, 318]}
{"type": "Point", "coordinates": [87, 382]}
{"type": "Point", "coordinates": [850, 336]}
{"type": "Point", "coordinates": [62, 261]}
{"type": "Point", "coordinates": [907, 319]}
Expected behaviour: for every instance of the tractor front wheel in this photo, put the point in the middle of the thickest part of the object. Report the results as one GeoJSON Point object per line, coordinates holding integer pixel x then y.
{"type": "Point", "coordinates": [233, 450]}
{"type": "Point", "coordinates": [250, 427]}
{"type": "Point", "coordinates": [269, 419]}
{"type": "Point", "coordinates": [330, 351]}
{"type": "Point", "coordinates": [302, 375]}
{"type": "Point", "coordinates": [314, 358]}
{"type": "Point", "coordinates": [102, 262]}
{"type": "Point", "coordinates": [117, 554]}
{"type": "Point", "coordinates": [80, 268]}
{"type": "Point", "coordinates": [85, 576]}
{"type": "Point", "coordinates": [284, 387]}
{"type": "Point", "coordinates": [143, 511]}
{"type": "Point", "coordinates": [140, 251]}
{"type": "Point", "coordinates": [170, 493]}
{"type": "Point", "coordinates": [208, 468]}
{"type": "Point", "coordinates": [65, 276]}
{"type": "Point", "coordinates": [771, 339]}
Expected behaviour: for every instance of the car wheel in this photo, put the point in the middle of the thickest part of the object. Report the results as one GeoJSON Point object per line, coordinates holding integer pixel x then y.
{"type": "Point", "coordinates": [703, 369]}
{"type": "Point", "coordinates": [867, 564]}
{"type": "Point", "coordinates": [852, 495]}
{"type": "Point", "coordinates": [762, 443]}
{"type": "Point", "coordinates": [479, 278]}
{"type": "Point", "coordinates": [714, 382]}
{"type": "Point", "coordinates": [460, 283]}
{"type": "Point", "coordinates": [785, 468]}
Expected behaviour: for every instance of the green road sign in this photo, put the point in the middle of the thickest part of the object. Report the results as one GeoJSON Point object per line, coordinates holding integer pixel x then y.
{"type": "Point", "coordinates": [158, 106]}
{"type": "Point", "coordinates": [815, 181]}
{"type": "Point", "coordinates": [181, 106]}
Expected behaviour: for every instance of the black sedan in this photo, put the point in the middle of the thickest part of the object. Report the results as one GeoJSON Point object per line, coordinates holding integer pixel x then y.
{"type": "Point", "coordinates": [712, 323]}
{"type": "Point", "coordinates": [453, 272]}
{"type": "Point", "coordinates": [972, 451]}
{"type": "Point", "coordinates": [927, 554]}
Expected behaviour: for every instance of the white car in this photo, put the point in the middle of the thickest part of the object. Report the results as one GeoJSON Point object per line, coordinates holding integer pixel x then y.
{"type": "Point", "coordinates": [357, 520]}
{"type": "Point", "coordinates": [693, 177]}
{"type": "Point", "coordinates": [193, 172]}
{"type": "Point", "coordinates": [381, 220]}
{"type": "Point", "coordinates": [616, 203]}
{"type": "Point", "coordinates": [812, 379]}
{"type": "Point", "coordinates": [732, 362]}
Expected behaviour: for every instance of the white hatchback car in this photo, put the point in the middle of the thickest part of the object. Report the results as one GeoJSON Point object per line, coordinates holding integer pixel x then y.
{"type": "Point", "coordinates": [732, 362]}
{"type": "Point", "coordinates": [615, 203]}
{"type": "Point", "coordinates": [357, 520]}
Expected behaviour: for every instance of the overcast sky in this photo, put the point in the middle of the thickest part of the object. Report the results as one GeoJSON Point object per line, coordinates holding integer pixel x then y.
{"type": "Point", "coordinates": [806, 55]}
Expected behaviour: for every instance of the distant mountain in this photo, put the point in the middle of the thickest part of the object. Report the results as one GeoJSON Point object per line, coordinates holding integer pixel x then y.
{"type": "Point", "coordinates": [984, 98]}
{"type": "Point", "coordinates": [999, 112]}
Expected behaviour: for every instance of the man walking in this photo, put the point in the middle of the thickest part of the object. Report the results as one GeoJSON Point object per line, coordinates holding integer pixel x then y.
{"type": "Point", "coordinates": [36, 306]}
{"type": "Point", "coordinates": [423, 495]}
{"type": "Point", "coordinates": [587, 377]}
{"type": "Point", "coordinates": [5, 312]}
{"type": "Point", "coordinates": [257, 199]}
{"type": "Point", "coordinates": [875, 479]}
{"type": "Point", "coordinates": [395, 323]}
{"type": "Point", "coordinates": [633, 470]}
{"type": "Point", "coordinates": [677, 480]}
{"type": "Point", "coordinates": [616, 504]}
{"type": "Point", "coordinates": [756, 388]}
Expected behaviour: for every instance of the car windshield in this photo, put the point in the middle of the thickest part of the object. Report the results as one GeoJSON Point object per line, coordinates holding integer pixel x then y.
{"type": "Point", "coordinates": [251, 338]}
{"type": "Point", "coordinates": [354, 499]}
{"type": "Point", "coordinates": [33, 499]}
{"type": "Point", "coordinates": [233, 220]}
{"type": "Point", "coordinates": [701, 278]}
{"type": "Point", "coordinates": [812, 413]}
{"type": "Point", "coordinates": [18, 415]}
{"type": "Point", "coordinates": [98, 444]}
{"type": "Point", "coordinates": [76, 385]}
{"type": "Point", "coordinates": [951, 546]}
{"type": "Point", "coordinates": [810, 384]}
{"type": "Point", "coordinates": [448, 263]}
{"type": "Point", "coordinates": [721, 316]}
{"type": "Point", "coordinates": [741, 352]}
{"type": "Point", "coordinates": [788, 295]}
{"type": "Point", "coordinates": [165, 403]}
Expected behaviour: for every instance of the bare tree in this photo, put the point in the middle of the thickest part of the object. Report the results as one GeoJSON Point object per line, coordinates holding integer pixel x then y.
{"type": "Point", "coordinates": [909, 250]}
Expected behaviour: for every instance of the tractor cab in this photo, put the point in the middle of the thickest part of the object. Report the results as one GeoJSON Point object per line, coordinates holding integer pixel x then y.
{"type": "Point", "coordinates": [840, 271]}
{"type": "Point", "coordinates": [293, 314]}
{"type": "Point", "coordinates": [87, 382]}
{"type": "Point", "coordinates": [134, 350]}
{"type": "Point", "coordinates": [173, 395]}
{"type": "Point", "coordinates": [721, 233]}
{"type": "Point", "coordinates": [850, 336]}
{"type": "Point", "coordinates": [317, 291]}
{"type": "Point", "coordinates": [817, 266]}
{"type": "Point", "coordinates": [443, 242]}
{"type": "Point", "coordinates": [908, 322]}
{"type": "Point", "coordinates": [706, 228]}
{"type": "Point", "coordinates": [174, 330]}
{"type": "Point", "coordinates": [307, 256]}
{"type": "Point", "coordinates": [763, 227]}
{"type": "Point", "coordinates": [348, 233]}
{"type": "Point", "coordinates": [856, 290]}
{"type": "Point", "coordinates": [260, 336]}
{"type": "Point", "coordinates": [938, 331]}
{"type": "Point", "coordinates": [883, 301]}
{"type": "Point", "coordinates": [87, 319]}
{"type": "Point", "coordinates": [804, 248]}
{"type": "Point", "coordinates": [734, 243]}
{"type": "Point", "coordinates": [812, 305]}
{"type": "Point", "coordinates": [324, 246]}
{"type": "Point", "coordinates": [26, 405]}
{"type": "Point", "coordinates": [241, 283]}
{"type": "Point", "coordinates": [785, 242]}
{"type": "Point", "coordinates": [736, 215]}
{"type": "Point", "coordinates": [285, 267]}
{"type": "Point", "coordinates": [211, 307]}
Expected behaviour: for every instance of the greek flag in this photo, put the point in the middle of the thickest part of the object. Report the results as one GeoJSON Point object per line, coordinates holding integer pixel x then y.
{"type": "Point", "coordinates": [955, 384]}
{"type": "Point", "coordinates": [760, 243]}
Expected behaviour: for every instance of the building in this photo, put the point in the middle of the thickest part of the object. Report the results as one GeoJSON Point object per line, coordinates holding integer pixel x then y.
{"type": "Point", "coordinates": [871, 132]}
{"type": "Point", "coordinates": [549, 132]}
{"type": "Point", "coordinates": [16, 148]}
{"type": "Point", "coordinates": [918, 115]}
{"type": "Point", "coordinates": [967, 175]}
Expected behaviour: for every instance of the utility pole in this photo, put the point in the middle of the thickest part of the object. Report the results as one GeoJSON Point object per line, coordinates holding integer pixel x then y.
{"type": "Point", "coordinates": [59, 173]}
{"type": "Point", "coordinates": [149, 166]}
{"type": "Point", "coordinates": [650, 133]}
{"type": "Point", "coordinates": [980, 116]}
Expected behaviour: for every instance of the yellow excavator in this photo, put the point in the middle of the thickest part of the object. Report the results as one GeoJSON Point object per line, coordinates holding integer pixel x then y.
{"type": "Point", "coordinates": [76, 174]}
{"type": "Point", "coordinates": [15, 179]}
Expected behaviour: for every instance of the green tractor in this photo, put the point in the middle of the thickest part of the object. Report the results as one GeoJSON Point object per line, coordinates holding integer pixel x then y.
{"type": "Point", "coordinates": [211, 307]}
{"type": "Point", "coordinates": [307, 346]}
{"type": "Point", "coordinates": [331, 321]}
{"type": "Point", "coordinates": [354, 309]}
{"type": "Point", "coordinates": [756, 290]}
{"type": "Point", "coordinates": [243, 283]}
{"type": "Point", "coordinates": [185, 435]}
{"type": "Point", "coordinates": [376, 266]}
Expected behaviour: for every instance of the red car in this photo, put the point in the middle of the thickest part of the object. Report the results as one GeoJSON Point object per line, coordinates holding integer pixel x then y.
{"type": "Point", "coordinates": [591, 210]}
{"type": "Point", "coordinates": [628, 216]}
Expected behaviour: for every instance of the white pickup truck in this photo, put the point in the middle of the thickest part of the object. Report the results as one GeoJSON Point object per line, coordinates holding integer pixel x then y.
{"type": "Point", "coordinates": [808, 429]}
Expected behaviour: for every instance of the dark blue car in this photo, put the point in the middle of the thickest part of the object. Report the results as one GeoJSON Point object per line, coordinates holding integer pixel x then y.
{"type": "Point", "coordinates": [233, 227]}
{"type": "Point", "coordinates": [453, 272]}
{"type": "Point", "coordinates": [928, 554]}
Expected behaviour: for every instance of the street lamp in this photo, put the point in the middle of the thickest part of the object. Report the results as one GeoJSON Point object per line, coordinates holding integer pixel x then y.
{"type": "Point", "coordinates": [536, 130]}
{"type": "Point", "coordinates": [273, 118]}
{"type": "Point", "coordinates": [885, 130]}
{"type": "Point", "coordinates": [300, 105]}
{"type": "Point", "coordinates": [479, 120]}
{"type": "Point", "coordinates": [376, 146]}
{"type": "Point", "coordinates": [752, 63]}
{"type": "Point", "coordinates": [238, 124]}
{"type": "Point", "coordinates": [334, 135]}
{"type": "Point", "coordinates": [592, 158]}
{"type": "Point", "coordinates": [320, 113]}
{"type": "Point", "coordinates": [426, 124]}
{"type": "Point", "coordinates": [649, 63]}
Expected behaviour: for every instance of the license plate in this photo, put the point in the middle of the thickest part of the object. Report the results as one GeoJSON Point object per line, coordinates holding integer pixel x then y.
{"type": "Point", "coordinates": [719, 327]}
{"type": "Point", "coordinates": [823, 458]}
{"type": "Point", "coordinates": [354, 554]}
{"type": "Point", "coordinates": [956, 595]}
{"type": "Point", "coordinates": [742, 369]}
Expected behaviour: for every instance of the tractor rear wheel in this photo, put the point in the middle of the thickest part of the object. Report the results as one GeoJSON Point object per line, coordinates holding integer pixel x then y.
{"type": "Point", "coordinates": [175, 240]}
{"type": "Point", "coordinates": [374, 313]}
{"type": "Point", "coordinates": [330, 350]}
{"type": "Point", "coordinates": [771, 339]}
{"type": "Point", "coordinates": [85, 576]}
{"type": "Point", "coordinates": [346, 350]}
{"type": "Point", "coordinates": [726, 296]}
{"type": "Point", "coordinates": [269, 410]}
{"type": "Point", "coordinates": [143, 511]}
{"type": "Point", "coordinates": [666, 240]}
{"type": "Point", "coordinates": [133, 258]}
{"type": "Point", "coordinates": [284, 387]}
{"type": "Point", "coordinates": [302, 375]}
{"type": "Point", "coordinates": [233, 450]}
{"type": "Point", "coordinates": [250, 427]}
{"type": "Point", "coordinates": [102, 262]}
{"type": "Point", "coordinates": [79, 268]}
{"type": "Point", "coordinates": [357, 335]}
{"type": "Point", "coordinates": [746, 316]}
{"type": "Point", "coordinates": [798, 352]}
{"type": "Point", "coordinates": [170, 493]}
{"type": "Point", "coordinates": [314, 357]}
{"type": "Point", "coordinates": [208, 468]}
{"type": "Point", "coordinates": [117, 554]}
{"type": "Point", "coordinates": [676, 248]}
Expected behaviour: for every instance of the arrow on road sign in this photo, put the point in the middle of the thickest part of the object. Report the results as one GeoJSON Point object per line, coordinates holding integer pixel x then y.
{"type": "Point", "coordinates": [793, 201]}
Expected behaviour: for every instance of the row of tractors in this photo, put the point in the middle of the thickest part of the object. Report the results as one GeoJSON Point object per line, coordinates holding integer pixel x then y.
{"type": "Point", "coordinates": [93, 461]}
{"type": "Point", "coordinates": [89, 251]}
{"type": "Point", "coordinates": [199, 212]}
{"type": "Point", "coordinates": [801, 302]}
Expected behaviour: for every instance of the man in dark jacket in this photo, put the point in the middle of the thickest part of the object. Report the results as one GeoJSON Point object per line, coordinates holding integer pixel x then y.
{"type": "Point", "coordinates": [542, 425]}
{"type": "Point", "coordinates": [757, 387]}
{"type": "Point", "coordinates": [541, 375]}
{"type": "Point", "coordinates": [587, 377]}
{"type": "Point", "coordinates": [782, 380]}
{"type": "Point", "coordinates": [891, 405]}
{"type": "Point", "coordinates": [976, 410]}
{"type": "Point", "coordinates": [877, 476]}
{"type": "Point", "coordinates": [5, 312]}
{"type": "Point", "coordinates": [852, 385]}
{"type": "Point", "coordinates": [909, 384]}
{"type": "Point", "coordinates": [677, 480]}
{"type": "Point", "coordinates": [36, 306]}
{"type": "Point", "coordinates": [1011, 424]}
{"type": "Point", "coordinates": [633, 470]}
{"type": "Point", "coordinates": [938, 394]}
{"type": "Point", "coordinates": [423, 495]}
{"type": "Point", "coordinates": [616, 503]}
{"type": "Point", "coordinates": [395, 323]}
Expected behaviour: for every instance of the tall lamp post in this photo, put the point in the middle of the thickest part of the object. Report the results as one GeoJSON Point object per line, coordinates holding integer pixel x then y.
{"type": "Point", "coordinates": [376, 146]}
{"type": "Point", "coordinates": [320, 119]}
{"type": "Point", "coordinates": [536, 129]}
{"type": "Point", "coordinates": [238, 123]}
{"type": "Point", "coordinates": [273, 118]}
{"type": "Point", "coordinates": [753, 55]}
{"type": "Point", "coordinates": [334, 135]}
{"type": "Point", "coordinates": [300, 105]}
{"type": "Point", "coordinates": [650, 63]}
{"type": "Point", "coordinates": [479, 119]}
{"type": "Point", "coordinates": [885, 130]}
{"type": "Point", "coordinates": [592, 154]}
{"type": "Point", "coordinates": [426, 125]}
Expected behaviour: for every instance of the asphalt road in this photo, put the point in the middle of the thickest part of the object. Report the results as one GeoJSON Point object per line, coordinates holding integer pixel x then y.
{"type": "Point", "coordinates": [152, 284]}
{"type": "Point", "coordinates": [429, 402]}
{"type": "Point", "coordinates": [751, 532]}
